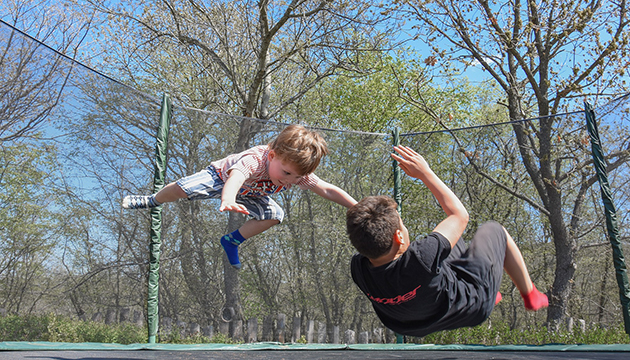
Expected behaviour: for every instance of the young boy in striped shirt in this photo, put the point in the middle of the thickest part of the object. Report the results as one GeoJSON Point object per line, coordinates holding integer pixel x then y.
{"type": "Point", "coordinates": [245, 181]}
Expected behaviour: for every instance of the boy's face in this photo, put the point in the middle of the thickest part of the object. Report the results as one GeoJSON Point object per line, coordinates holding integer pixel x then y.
{"type": "Point", "coordinates": [282, 173]}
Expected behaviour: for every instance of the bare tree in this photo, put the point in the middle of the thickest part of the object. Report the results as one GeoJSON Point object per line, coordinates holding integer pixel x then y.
{"type": "Point", "coordinates": [32, 84]}
{"type": "Point", "coordinates": [544, 55]}
{"type": "Point", "coordinates": [252, 58]}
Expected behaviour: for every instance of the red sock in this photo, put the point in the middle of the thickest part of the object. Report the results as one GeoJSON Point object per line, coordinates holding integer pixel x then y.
{"type": "Point", "coordinates": [535, 300]}
{"type": "Point", "coordinates": [499, 298]}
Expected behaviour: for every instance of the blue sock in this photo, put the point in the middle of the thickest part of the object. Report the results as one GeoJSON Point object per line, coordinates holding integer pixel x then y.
{"type": "Point", "coordinates": [152, 202]}
{"type": "Point", "coordinates": [230, 243]}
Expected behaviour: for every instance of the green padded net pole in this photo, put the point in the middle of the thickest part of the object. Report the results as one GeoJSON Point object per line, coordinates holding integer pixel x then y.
{"type": "Point", "coordinates": [397, 195]}
{"type": "Point", "coordinates": [156, 219]}
{"type": "Point", "coordinates": [611, 216]}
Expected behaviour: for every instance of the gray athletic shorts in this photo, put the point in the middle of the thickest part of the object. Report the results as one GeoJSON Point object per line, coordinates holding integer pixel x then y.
{"type": "Point", "coordinates": [483, 259]}
{"type": "Point", "coordinates": [207, 184]}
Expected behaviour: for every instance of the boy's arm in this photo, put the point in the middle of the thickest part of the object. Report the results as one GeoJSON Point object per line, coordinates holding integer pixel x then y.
{"type": "Point", "coordinates": [414, 165]}
{"type": "Point", "coordinates": [230, 189]}
{"type": "Point", "coordinates": [333, 193]}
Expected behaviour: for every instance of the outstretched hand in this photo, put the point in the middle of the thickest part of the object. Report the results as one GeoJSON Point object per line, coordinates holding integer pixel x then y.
{"type": "Point", "coordinates": [453, 226]}
{"type": "Point", "coordinates": [232, 206]}
{"type": "Point", "coordinates": [412, 163]}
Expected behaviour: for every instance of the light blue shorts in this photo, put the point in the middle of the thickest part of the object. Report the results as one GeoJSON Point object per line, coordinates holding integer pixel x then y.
{"type": "Point", "coordinates": [207, 184]}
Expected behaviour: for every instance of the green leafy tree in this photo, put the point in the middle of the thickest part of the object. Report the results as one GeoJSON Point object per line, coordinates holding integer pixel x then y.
{"type": "Point", "coordinates": [26, 226]}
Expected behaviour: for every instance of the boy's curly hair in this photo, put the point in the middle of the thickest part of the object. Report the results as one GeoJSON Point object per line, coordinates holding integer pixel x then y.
{"type": "Point", "coordinates": [371, 225]}
{"type": "Point", "coordinates": [303, 147]}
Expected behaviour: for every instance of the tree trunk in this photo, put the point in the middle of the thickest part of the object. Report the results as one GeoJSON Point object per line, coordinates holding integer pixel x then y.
{"type": "Point", "coordinates": [193, 261]}
{"type": "Point", "coordinates": [235, 220]}
{"type": "Point", "coordinates": [550, 194]}
{"type": "Point", "coordinates": [602, 296]}
{"type": "Point", "coordinates": [565, 264]}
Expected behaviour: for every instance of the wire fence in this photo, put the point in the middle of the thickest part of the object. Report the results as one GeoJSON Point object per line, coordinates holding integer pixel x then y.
{"type": "Point", "coordinates": [75, 142]}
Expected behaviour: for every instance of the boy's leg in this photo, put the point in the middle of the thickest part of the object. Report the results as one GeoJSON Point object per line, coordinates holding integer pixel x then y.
{"type": "Point", "coordinates": [485, 256]}
{"type": "Point", "coordinates": [266, 213]}
{"type": "Point", "coordinates": [231, 241]}
{"type": "Point", "coordinates": [515, 267]}
{"type": "Point", "coordinates": [205, 184]}
{"type": "Point", "coordinates": [169, 193]}
{"type": "Point", "coordinates": [491, 251]}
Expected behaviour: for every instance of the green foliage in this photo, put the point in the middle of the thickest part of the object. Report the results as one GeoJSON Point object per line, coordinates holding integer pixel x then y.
{"type": "Point", "coordinates": [301, 340]}
{"type": "Point", "coordinates": [26, 221]}
{"type": "Point", "coordinates": [220, 338]}
{"type": "Point", "coordinates": [501, 334]}
{"type": "Point", "coordinates": [62, 329]}
{"type": "Point", "coordinates": [175, 337]}
{"type": "Point", "coordinates": [399, 91]}
{"type": "Point", "coordinates": [26, 328]}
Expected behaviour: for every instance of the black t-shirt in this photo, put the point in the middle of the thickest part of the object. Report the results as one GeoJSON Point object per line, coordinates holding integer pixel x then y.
{"type": "Point", "coordinates": [423, 291]}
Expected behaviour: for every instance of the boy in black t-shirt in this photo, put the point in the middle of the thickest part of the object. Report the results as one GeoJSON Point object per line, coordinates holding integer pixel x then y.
{"type": "Point", "coordinates": [436, 283]}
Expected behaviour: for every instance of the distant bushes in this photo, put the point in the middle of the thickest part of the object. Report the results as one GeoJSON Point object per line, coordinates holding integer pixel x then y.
{"type": "Point", "coordinates": [501, 334]}
{"type": "Point", "coordinates": [55, 328]}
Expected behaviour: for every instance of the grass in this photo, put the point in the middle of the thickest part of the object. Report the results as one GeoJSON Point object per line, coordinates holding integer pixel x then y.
{"type": "Point", "coordinates": [501, 334]}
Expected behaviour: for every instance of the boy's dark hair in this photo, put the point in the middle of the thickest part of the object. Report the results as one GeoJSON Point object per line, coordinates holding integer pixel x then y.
{"type": "Point", "coordinates": [371, 225]}
{"type": "Point", "coordinates": [300, 146]}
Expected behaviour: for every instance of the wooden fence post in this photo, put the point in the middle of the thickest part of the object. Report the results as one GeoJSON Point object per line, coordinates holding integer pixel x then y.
{"type": "Point", "coordinates": [310, 331]}
{"type": "Point", "coordinates": [335, 335]}
{"type": "Point", "coordinates": [252, 330]}
{"type": "Point", "coordinates": [124, 315]}
{"type": "Point", "coordinates": [224, 327]}
{"type": "Point", "coordinates": [97, 317]}
{"type": "Point", "coordinates": [195, 329]}
{"type": "Point", "coordinates": [282, 319]}
{"type": "Point", "coordinates": [208, 331]}
{"type": "Point", "coordinates": [297, 323]}
{"type": "Point", "coordinates": [350, 337]}
{"type": "Point", "coordinates": [582, 325]}
{"type": "Point", "coordinates": [236, 328]}
{"type": "Point", "coordinates": [138, 319]}
{"type": "Point", "coordinates": [110, 316]}
{"type": "Point", "coordinates": [167, 325]}
{"type": "Point", "coordinates": [364, 337]}
{"type": "Point", "coordinates": [267, 331]}
{"type": "Point", "coordinates": [181, 326]}
{"type": "Point", "coordinates": [321, 333]}
{"type": "Point", "coordinates": [377, 336]}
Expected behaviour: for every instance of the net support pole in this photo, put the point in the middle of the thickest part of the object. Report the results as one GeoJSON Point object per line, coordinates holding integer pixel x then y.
{"type": "Point", "coordinates": [397, 195]}
{"type": "Point", "coordinates": [161, 146]}
{"type": "Point", "coordinates": [611, 216]}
